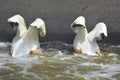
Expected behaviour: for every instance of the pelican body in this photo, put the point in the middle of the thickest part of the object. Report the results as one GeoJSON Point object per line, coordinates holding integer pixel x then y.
{"type": "Point", "coordinates": [85, 42]}
{"type": "Point", "coordinates": [29, 42]}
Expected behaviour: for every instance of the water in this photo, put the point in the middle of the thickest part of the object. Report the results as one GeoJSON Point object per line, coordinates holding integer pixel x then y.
{"type": "Point", "coordinates": [59, 62]}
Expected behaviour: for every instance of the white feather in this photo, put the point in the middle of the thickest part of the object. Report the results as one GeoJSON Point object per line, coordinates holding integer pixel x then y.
{"type": "Point", "coordinates": [95, 34]}
{"type": "Point", "coordinates": [81, 20]}
{"type": "Point", "coordinates": [30, 41]}
{"type": "Point", "coordinates": [85, 41]}
{"type": "Point", "coordinates": [21, 28]}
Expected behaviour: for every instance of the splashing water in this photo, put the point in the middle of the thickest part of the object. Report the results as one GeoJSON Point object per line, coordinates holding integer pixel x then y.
{"type": "Point", "coordinates": [59, 62]}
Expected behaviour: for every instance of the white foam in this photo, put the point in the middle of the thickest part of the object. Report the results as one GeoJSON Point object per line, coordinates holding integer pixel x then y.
{"type": "Point", "coordinates": [5, 45]}
{"type": "Point", "coordinates": [92, 64]}
{"type": "Point", "coordinates": [62, 56]}
{"type": "Point", "coordinates": [115, 46]}
{"type": "Point", "coordinates": [106, 70]}
{"type": "Point", "coordinates": [113, 54]}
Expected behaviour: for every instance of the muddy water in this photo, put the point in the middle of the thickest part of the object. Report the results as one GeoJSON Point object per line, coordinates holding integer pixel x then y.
{"type": "Point", "coordinates": [59, 62]}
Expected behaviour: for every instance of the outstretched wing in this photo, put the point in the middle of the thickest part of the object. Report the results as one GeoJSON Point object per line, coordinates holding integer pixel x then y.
{"type": "Point", "coordinates": [40, 25]}
{"type": "Point", "coordinates": [80, 21]}
{"type": "Point", "coordinates": [98, 33]}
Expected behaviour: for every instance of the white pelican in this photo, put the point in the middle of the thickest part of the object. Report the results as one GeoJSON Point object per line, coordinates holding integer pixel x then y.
{"type": "Point", "coordinates": [85, 42]}
{"type": "Point", "coordinates": [29, 43]}
{"type": "Point", "coordinates": [17, 22]}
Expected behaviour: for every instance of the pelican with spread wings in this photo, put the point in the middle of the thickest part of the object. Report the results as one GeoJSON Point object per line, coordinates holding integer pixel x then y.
{"type": "Point", "coordinates": [29, 41]}
{"type": "Point", "coordinates": [85, 42]}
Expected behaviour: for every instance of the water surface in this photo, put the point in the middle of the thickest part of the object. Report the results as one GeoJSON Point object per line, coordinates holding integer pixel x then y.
{"type": "Point", "coordinates": [60, 62]}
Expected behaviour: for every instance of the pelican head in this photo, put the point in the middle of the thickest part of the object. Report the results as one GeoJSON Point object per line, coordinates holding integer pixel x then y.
{"type": "Point", "coordinates": [40, 25]}
{"type": "Point", "coordinates": [17, 22]}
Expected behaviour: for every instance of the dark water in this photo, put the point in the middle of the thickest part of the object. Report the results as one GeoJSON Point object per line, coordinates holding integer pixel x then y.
{"type": "Point", "coordinates": [59, 62]}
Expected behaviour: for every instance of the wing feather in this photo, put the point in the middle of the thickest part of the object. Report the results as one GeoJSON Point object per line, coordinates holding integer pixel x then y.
{"type": "Point", "coordinates": [98, 32]}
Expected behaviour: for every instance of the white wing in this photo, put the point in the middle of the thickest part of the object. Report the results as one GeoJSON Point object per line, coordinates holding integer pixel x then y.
{"type": "Point", "coordinates": [80, 21]}
{"type": "Point", "coordinates": [99, 32]}
{"type": "Point", "coordinates": [30, 41]}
